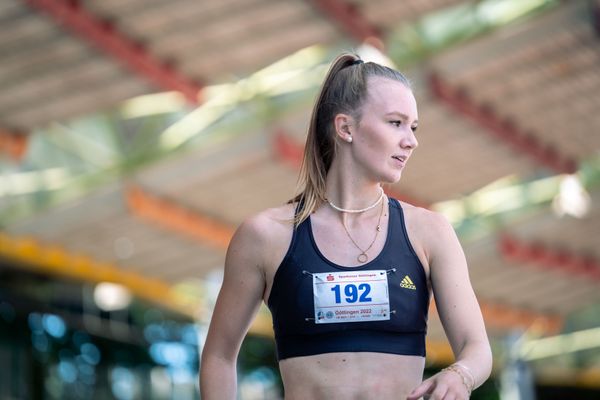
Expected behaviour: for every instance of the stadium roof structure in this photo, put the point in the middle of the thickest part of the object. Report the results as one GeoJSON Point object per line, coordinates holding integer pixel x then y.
{"type": "Point", "coordinates": [136, 135]}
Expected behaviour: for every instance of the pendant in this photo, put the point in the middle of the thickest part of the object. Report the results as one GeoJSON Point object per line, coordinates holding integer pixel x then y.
{"type": "Point", "coordinates": [362, 258]}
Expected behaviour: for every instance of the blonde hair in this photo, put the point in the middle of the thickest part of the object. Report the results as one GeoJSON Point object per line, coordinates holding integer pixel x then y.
{"type": "Point", "coordinates": [343, 91]}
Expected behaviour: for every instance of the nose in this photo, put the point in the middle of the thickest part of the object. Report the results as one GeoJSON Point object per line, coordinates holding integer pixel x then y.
{"type": "Point", "coordinates": [409, 140]}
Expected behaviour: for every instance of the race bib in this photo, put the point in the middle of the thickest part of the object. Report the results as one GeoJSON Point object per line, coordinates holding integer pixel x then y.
{"type": "Point", "coordinates": [351, 296]}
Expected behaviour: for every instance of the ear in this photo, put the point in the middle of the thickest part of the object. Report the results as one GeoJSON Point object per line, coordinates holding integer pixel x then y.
{"type": "Point", "coordinates": [344, 126]}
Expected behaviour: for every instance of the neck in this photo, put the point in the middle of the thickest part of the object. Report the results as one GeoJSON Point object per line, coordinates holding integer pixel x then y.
{"type": "Point", "coordinates": [345, 190]}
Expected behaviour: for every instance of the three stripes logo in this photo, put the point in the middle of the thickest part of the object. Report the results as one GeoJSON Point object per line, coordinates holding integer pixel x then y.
{"type": "Point", "coordinates": [407, 283]}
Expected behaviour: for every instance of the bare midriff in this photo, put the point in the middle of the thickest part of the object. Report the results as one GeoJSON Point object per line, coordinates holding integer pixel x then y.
{"type": "Point", "coordinates": [351, 376]}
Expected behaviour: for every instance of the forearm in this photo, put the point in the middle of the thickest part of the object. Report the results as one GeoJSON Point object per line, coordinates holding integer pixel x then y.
{"type": "Point", "coordinates": [476, 360]}
{"type": "Point", "coordinates": [218, 379]}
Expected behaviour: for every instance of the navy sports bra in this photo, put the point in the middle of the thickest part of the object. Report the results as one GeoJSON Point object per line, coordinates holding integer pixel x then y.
{"type": "Point", "coordinates": [292, 299]}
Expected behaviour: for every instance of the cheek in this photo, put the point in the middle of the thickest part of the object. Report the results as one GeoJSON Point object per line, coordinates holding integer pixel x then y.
{"type": "Point", "coordinates": [375, 139]}
{"type": "Point", "coordinates": [379, 145]}
{"type": "Point", "coordinates": [372, 152]}
{"type": "Point", "coordinates": [374, 143]}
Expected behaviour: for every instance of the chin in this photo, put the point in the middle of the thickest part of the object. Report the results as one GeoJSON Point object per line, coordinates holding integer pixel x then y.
{"type": "Point", "coordinates": [390, 177]}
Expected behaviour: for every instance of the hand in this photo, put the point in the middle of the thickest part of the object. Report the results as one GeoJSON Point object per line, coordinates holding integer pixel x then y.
{"type": "Point", "coordinates": [445, 385]}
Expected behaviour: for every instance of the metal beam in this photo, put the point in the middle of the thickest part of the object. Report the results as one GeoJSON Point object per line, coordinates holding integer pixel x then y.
{"type": "Point", "coordinates": [51, 259]}
{"type": "Point", "coordinates": [506, 131]}
{"type": "Point", "coordinates": [13, 144]}
{"type": "Point", "coordinates": [565, 343]}
{"type": "Point", "coordinates": [178, 218]}
{"type": "Point", "coordinates": [348, 17]}
{"type": "Point", "coordinates": [508, 317]}
{"type": "Point", "coordinates": [287, 150]}
{"type": "Point", "coordinates": [543, 256]}
{"type": "Point", "coordinates": [103, 35]}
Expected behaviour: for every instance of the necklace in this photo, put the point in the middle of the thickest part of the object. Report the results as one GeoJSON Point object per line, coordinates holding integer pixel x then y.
{"type": "Point", "coordinates": [363, 257]}
{"type": "Point", "coordinates": [340, 209]}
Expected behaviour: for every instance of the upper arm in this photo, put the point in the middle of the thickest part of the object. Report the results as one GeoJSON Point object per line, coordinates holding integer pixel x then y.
{"type": "Point", "coordinates": [454, 296]}
{"type": "Point", "coordinates": [241, 292]}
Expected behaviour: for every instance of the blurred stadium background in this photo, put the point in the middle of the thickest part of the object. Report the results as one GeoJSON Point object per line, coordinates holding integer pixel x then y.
{"type": "Point", "coordinates": [135, 135]}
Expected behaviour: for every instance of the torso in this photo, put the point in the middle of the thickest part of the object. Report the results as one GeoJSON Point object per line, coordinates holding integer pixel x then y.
{"type": "Point", "coordinates": [362, 375]}
{"type": "Point", "coordinates": [351, 376]}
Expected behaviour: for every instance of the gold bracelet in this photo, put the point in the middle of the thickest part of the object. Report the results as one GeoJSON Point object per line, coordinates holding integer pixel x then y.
{"type": "Point", "coordinates": [468, 371]}
{"type": "Point", "coordinates": [454, 368]}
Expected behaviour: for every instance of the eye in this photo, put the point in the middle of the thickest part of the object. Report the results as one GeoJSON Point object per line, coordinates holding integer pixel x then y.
{"type": "Point", "coordinates": [414, 128]}
{"type": "Point", "coordinates": [396, 123]}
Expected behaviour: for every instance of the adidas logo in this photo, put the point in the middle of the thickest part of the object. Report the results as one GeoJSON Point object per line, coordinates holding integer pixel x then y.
{"type": "Point", "coordinates": [407, 283]}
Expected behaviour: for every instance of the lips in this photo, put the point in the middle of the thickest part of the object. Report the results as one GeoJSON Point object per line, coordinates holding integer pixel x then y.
{"type": "Point", "coordinates": [400, 158]}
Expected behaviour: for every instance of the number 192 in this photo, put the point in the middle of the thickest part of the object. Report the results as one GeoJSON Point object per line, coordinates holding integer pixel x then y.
{"type": "Point", "coordinates": [352, 293]}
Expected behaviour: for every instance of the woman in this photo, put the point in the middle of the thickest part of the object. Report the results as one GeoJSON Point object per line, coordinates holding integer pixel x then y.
{"type": "Point", "coordinates": [346, 271]}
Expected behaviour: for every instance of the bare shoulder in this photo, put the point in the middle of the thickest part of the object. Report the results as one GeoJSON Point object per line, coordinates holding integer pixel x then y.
{"type": "Point", "coordinates": [266, 234]}
{"type": "Point", "coordinates": [427, 229]}
{"type": "Point", "coordinates": [269, 224]}
{"type": "Point", "coordinates": [425, 220]}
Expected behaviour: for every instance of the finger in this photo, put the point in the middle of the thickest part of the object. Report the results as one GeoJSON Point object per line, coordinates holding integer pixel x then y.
{"type": "Point", "coordinates": [439, 393]}
{"type": "Point", "coordinates": [450, 395]}
{"type": "Point", "coordinates": [425, 387]}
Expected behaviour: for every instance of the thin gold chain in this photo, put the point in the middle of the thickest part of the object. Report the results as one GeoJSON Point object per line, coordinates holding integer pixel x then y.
{"type": "Point", "coordinates": [363, 257]}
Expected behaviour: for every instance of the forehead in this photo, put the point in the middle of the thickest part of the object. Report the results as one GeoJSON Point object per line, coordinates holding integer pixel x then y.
{"type": "Point", "coordinates": [387, 96]}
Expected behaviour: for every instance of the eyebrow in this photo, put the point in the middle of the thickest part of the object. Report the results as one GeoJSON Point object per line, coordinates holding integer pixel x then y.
{"type": "Point", "coordinates": [403, 116]}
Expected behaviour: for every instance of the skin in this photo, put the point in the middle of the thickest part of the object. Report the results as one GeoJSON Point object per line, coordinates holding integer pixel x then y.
{"type": "Point", "coordinates": [385, 129]}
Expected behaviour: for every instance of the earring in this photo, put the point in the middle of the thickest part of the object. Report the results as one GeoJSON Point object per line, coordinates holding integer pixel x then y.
{"type": "Point", "coordinates": [349, 139]}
